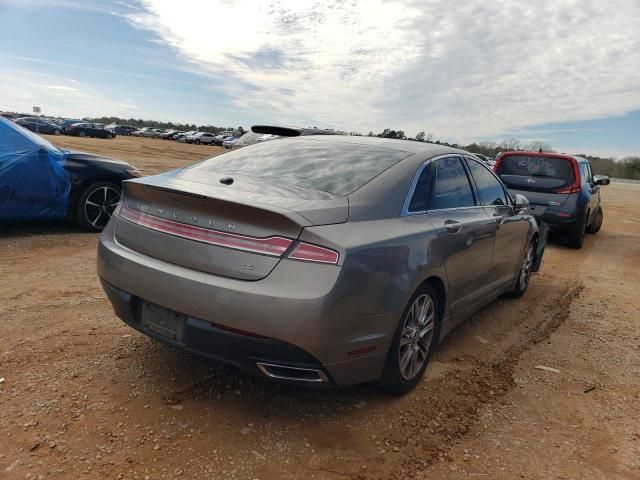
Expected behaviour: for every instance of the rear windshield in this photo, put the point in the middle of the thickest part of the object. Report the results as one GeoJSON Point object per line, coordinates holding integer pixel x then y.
{"type": "Point", "coordinates": [336, 168]}
{"type": "Point", "coordinates": [528, 172]}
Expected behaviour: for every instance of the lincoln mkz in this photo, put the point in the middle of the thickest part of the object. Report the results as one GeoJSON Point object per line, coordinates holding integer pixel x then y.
{"type": "Point", "coordinates": [328, 260]}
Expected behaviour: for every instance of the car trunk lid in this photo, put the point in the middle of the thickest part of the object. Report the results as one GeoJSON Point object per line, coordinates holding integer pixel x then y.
{"type": "Point", "coordinates": [238, 231]}
{"type": "Point", "coordinates": [539, 202]}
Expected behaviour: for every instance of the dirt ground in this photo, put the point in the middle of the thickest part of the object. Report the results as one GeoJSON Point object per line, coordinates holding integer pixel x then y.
{"type": "Point", "coordinates": [85, 396]}
{"type": "Point", "coordinates": [151, 155]}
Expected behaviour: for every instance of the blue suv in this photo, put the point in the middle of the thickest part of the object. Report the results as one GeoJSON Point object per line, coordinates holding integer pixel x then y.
{"type": "Point", "coordinates": [562, 191]}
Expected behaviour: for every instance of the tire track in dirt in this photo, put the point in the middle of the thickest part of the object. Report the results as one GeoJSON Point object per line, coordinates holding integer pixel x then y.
{"type": "Point", "coordinates": [445, 410]}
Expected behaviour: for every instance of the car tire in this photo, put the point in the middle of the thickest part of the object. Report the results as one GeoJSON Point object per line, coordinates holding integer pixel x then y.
{"type": "Point", "coordinates": [197, 142]}
{"type": "Point", "coordinates": [81, 133]}
{"type": "Point", "coordinates": [89, 212]}
{"type": "Point", "coordinates": [596, 224]}
{"type": "Point", "coordinates": [109, 136]}
{"type": "Point", "coordinates": [410, 351]}
{"type": "Point", "coordinates": [56, 132]}
{"type": "Point", "coordinates": [575, 238]}
{"type": "Point", "coordinates": [526, 267]}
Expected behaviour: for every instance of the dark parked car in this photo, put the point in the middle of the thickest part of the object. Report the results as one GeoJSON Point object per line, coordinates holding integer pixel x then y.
{"type": "Point", "coordinates": [95, 187]}
{"type": "Point", "coordinates": [122, 129]}
{"type": "Point", "coordinates": [38, 180]}
{"type": "Point", "coordinates": [561, 188]}
{"type": "Point", "coordinates": [64, 124]}
{"type": "Point", "coordinates": [39, 126]}
{"type": "Point", "coordinates": [171, 134]}
{"type": "Point", "coordinates": [12, 115]}
{"type": "Point", "coordinates": [90, 130]}
{"type": "Point", "coordinates": [329, 260]}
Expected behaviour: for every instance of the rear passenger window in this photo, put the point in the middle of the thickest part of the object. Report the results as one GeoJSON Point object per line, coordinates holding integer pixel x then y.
{"type": "Point", "coordinates": [451, 187]}
{"type": "Point", "coordinates": [419, 199]}
{"type": "Point", "coordinates": [490, 190]}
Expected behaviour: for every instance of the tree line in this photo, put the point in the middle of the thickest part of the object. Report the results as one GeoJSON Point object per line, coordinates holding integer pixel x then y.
{"type": "Point", "coordinates": [628, 167]}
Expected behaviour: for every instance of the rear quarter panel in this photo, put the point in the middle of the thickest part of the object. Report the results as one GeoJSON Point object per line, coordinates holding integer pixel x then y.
{"type": "Point", "coordinates": [386, 260]}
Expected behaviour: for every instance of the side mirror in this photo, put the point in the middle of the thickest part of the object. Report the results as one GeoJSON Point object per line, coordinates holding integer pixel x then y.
{"type": "Point", "coordinates": [601, 180]}
{"type": "Point", "coordinates": [521, 203]}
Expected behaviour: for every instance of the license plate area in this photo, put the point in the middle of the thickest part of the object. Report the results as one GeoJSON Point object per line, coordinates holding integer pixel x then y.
{"type": "Point", "coordinates": [163, 321]}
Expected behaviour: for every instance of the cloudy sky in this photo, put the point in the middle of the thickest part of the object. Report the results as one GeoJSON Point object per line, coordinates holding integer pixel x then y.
{"type": "Point", "coordinates": [566, 72]}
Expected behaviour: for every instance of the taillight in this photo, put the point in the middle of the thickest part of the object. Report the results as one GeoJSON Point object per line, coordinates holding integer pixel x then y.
{"type": "Point", "coordinates": [496, 165]}
{"type": "Point", "coordinates": [272, 246]}
{"type": "Point", "coordinates": [572, 189]}
{"type": "Point", "coordinates": [307, 252]}
{"type": "Point", "coordinates": [577, 185]}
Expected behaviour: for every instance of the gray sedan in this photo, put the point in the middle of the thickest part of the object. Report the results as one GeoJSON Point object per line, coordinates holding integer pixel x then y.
{"type": "Point", "coordinates": [320, 260]}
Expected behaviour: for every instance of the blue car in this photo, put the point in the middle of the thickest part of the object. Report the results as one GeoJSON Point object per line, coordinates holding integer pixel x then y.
{"type": "Point", "coordinates": [40, 181]}
{"type": "Point", "coordinates": [562, 191]}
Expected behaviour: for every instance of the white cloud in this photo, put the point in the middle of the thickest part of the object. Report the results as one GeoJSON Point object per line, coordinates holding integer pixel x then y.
{"type": "Point", "coordinates": [461, 70]}
{"type": "Point", "coordinates": [63, 88]}
{"type": "Point", "coordinates": [107, 71]}
{"type": "Point", "coordinates": [56, 97]}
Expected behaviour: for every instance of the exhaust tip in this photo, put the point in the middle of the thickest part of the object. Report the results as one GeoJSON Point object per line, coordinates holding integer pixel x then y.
{"type": "Point", "coordinates": [284, 372]}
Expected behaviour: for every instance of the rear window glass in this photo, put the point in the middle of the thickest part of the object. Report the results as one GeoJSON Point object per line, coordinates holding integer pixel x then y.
{"type": "Point", "coordinates": [535, 172]}
{"type": "Point", "coordinates": [336, 168]}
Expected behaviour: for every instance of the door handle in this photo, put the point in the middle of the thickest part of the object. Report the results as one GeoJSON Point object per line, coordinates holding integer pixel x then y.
{"type": "Point", "coordinates": [498, 218]}
{"type": "Point", "coordinates": [452, 226]}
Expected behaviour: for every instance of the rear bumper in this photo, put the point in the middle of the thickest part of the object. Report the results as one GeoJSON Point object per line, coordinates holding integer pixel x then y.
{"type": "Point", "coordinates": [301, 319]}
{"type": "Point", "coordinates": [558, 223]}
{"type": "Point", "coordinates": [219, 344]}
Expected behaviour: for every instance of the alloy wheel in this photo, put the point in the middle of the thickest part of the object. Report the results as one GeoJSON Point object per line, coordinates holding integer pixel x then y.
{"type": "Point", "coordinates": [100, 205]}
{"type": "Point", "coordinates": [417, 333]}
{"type": "Point", "coordinates": [527, 266]}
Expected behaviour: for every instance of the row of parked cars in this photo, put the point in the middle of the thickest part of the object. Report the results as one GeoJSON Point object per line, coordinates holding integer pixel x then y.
{"type": "Point", "coordinates": [226, 138]}
{"type": "Point", "coordinates": [81, 128]}
{"type": "Point", "coordinates": [368, 251]}
{"type": "Point", "coordinates": [75, 127]}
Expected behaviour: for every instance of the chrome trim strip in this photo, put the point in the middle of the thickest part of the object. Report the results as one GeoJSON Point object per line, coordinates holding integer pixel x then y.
{"type": "Point", "coordinates": [440, 210]}
{"type": "Point", "coordinates": [322, 377]}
